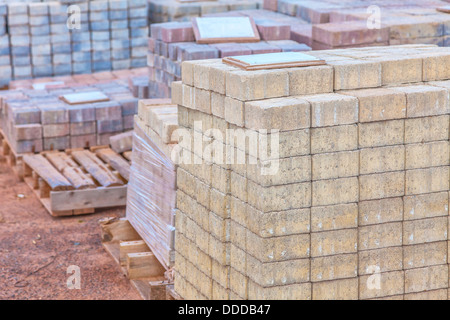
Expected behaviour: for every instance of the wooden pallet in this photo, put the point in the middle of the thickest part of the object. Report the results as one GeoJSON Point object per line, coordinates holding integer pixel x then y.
{"type": "Point", "coordinates": [136, 260]}
{"type": "Point", "coordinates": [13, 159]}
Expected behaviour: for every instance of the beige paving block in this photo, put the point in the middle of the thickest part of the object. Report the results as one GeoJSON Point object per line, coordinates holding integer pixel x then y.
{"type": "Point", "coordinates": [280, 171]}
{"type": "Point", "coordinates": [177, 92]}
{"type": "Point", "coordinates": [279, 198]}
{"type": "Point", "coordinates": [238, 186]}
{"type": "Point", "coordinates": [336, 191]}
{"type": "Point", "coordinates": [284, 114]}
{"type": "Point", "coordinates": [420, 181]}
{"type": "Point", "coordinates": [380, 134]}
{"type": "Point", "coordinates": [220, 273]}
{"type": "Point", "coordinates": [382, 185]}
{"type": "Point", "coordinates": [332, 109]}
{"type": "Point", "coordinates": [356, 74]}
{"type": "Point", "coordinates": [310, 80]}
{"type": "Point", "coordinates": [425, 155]}
{"type": "Point", "coordinates": [239, 283]}
{"type": "Point", "coordinates": [300, 291]}
{"type": "Point", "coordinates": [217, 76]}
{"type": "Point", "coordinates": [238, 211]}
{"type": "Point", "coordinates": [400, 69]}
{"type": "Point", "coordinates": [425, 230]}
{"type": "Point", "coordinates": [346, 289]}
{"type": "Point", "coordinates": [380, 236]}
{"type": "Point", "coordinates": [380, 260]}
{"type": "Point", "coordinates": [277, 224]}
{"type": "Point", "coordinates": [436, 66]}
{"type": "Point", "coordinates": [426, 206]}
{"type": "Point", "coordinates": [188, 93]}
{"type": "Point", "coordinates": [381, 285]}
{"type": "Point", "coordinates": [426, 129]}
{"type": "Point", "coordinates": [380, 211]}
{"type": "Point", "coordinates": [342, 216]}
{"type": "Point", "coordinates": [202, 261]}
{"type": "Point", "coordinates": [440, 294]}
{"type": "Point", "coordinates": [238, 259]}
{"type": "Point", "coordinates": [202, 74]}
{"type": "Point", "coordinates": [334, 242]}
{"type": "Point", "coordinates": [202, 100]}
{"type": "Point", "coordinates": [219, 250]}
{"type": "Point", "coordinates": [256, 85]}
{"type": "Point", "coordinates": [219, 203]}
{"type": "Point", "coordinates": [283, 248]}
{"type": "Point", "coordinates": [187, 72]}
{"type": "Point", "coordinates": [334, 267]}
{"type": "Point", "coordinates": [180, 286]}
{"type": "Point", "coordinates": [219, 292]}
{"type": "Point", "coordinates": [425, 100]}
{"type": "Point", "coordinates": [222, 178]}
{"type": "Point", "coordinates": [425, 255]}
{"type": "Point", "coordinates": [278, 273]}
{"type": "Point", "coordinates": [238, 235]}
{"type": "Point", "coordinates": [390, 298]}
{"type": "Point", "coordinates": [200, 121]}
{"type": "Point", "coordinates": [383, 159]}
{"type": "Point", "coordinates": [219, 227]}
{"type": "Point", "coordinates": [379, 104]}
{"type": "Point", "coordinates": [333, 139]}
{"type": "Point", "coordinates": [218, 104]}
{"type": "Point", "coordinates": [335, 165]}
{"type": "Point", "coordinates": [425, 279]}
{"type": "Point", "coordinates": [192, 209]}
{"type": "Point", "coordinates": [291, 143]}
{"type": "Point", "coordinates": [234, 111]}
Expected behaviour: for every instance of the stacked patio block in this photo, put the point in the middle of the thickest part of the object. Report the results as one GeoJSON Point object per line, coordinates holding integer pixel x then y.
{"type": "Point", "coordinates": [139, 31]}
{"type": "Point", "coordinates": [172, 10]}
{"type": "Point", "coordinates": [99, 23]}
{"type": "Point", "coordinates": [5, 60]}
{"type": "Point", "coordinates": [120, 43]}
{"type": "Point", "coordinates": [81, 38]}
{"type": "Point", "coordinates": [41, 48]}
{"type": "Point", "coordinates": [19, 37]}
{"type": "Point", "coordinates": [36, 120]}
{"type": "Point", "coordinates": [362, 187]}
{"type": "Point", "coordinates": [172, 43]}
{"type": "Point", "coordinates": [152, 185]}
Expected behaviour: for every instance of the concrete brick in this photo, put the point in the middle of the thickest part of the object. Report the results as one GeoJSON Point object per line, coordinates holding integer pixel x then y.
{"type": "Point", "coordinates": [391, 283]}
{"type": "Point", "coordinates": [425, 255]}
{"type": "Point", "coordinates": [440, 294]}
{"type": "Point", "coordinates": [425, 155]}
{"type": "Point", "coordinates": [379, 104]}
{"type": "Point", "coordinates": [356, 74]}
{"type": "Point", "coordinates": [310, 80]}
{"type": "Point", "coordinates": [435, 67]}
{"type": "Point", "coordinates": [290, 292]}
{"type": "Point", "coordinates": [334, 267]}
{"type": "Point", "coordinates": [334, 242]}
{"type": "Point", "coordinates": [283, 114]}
{"type": "Point", "coordinates": [234, 111]}
{"type": "Point", "coordinates": [202, 100]}
{"type": "Point", "coordinates": [335, 165]}
{"type": "Point", "coordinates": [346, 289]}
{"type": "Point", "coordinates": [332, 110]}
{"type": "Point", "coordinates": [420, 181]}
{"type": "Point", "coordinates": [425, 101]}
{"type": "Point", "coordinates": [425, 231]}
{"type": "Point", "coordinates": [383, 185]}
{"type": "Point", "coordinates": [424, 279]}
{"type": "Point", "coordinates": [380, 236]}
{"type": "Point", "coordinates": [337, 191]}
{"type": "Point", "coordinates": [380, 211]}
{"type": "Point", "coordinates": [427, 129]}
{"type": "Point", "coordinates": [55, 130]}
{"type": "Point", "coordinates": [333, 139]}
{"type": "Point", "coordinates": [384, 159]}
{"type": "Point", "coordinates": [426, 206]}
{"type": "Point", "coordinates": [380, 260]}
{"type": "Point", "coordinates": [383, 133]}
{"type": "Point", "coordinates": [336, 217]}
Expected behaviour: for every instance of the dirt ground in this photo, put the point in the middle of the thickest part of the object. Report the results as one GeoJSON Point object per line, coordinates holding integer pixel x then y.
{"type": "Point", "coordinates": [36, 250]}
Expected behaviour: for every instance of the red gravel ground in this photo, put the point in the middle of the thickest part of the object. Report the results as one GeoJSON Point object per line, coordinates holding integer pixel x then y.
{"type": "Point", "coordinates": [36, 250]}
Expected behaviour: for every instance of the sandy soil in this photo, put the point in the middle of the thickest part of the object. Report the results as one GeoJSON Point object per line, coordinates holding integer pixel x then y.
{"type": "Point", "coordinates": [36, 250]}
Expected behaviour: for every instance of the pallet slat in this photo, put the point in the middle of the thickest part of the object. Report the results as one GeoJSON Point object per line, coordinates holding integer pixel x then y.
{"type": "Point", "coordinates": [116, 161]}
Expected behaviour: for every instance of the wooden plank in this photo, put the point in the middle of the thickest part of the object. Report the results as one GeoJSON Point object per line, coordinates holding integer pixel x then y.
{"type": "Point", "coordinates": [225, 29]}
{"type": "Point", "coordinates": [115, 230]}
{"type": "Point", "coordinates": [98, 170]}
{"type": "Point", "coordinates": [143, 265]}
{"type": "Point", "coordinates": [70, 169]}
{"type": "Point", "coordinates": [47, 172]}
{"type": "Point", "coordinates": [127, 247]}
{"type": "Point", "coordinates": [89, 198]}
{"type": "Point", "coordinates": [127, 155]}
{"type": "Point", "coordinates": [116, 161]}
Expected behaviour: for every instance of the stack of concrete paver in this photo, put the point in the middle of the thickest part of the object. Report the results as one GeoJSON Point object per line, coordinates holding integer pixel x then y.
{"type": "Point", "coordinates": [338, 187]}
{"type": "Point", "coordinates": [338, 24]}
{"type": "Point", "coordinates": [47, 39]}
{"type": "Point", "coordinates": [37, 119]}
{"type": "Point", "coordinates": [152, 185]}
{"type": "Point", "coordinates": [172, 43]}
{"type": "Point", "coordinates": [173, 10]}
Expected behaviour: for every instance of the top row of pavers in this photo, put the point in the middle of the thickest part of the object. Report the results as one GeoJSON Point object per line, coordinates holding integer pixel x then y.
{"type": "Point", "coordinates": [346, 69]}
